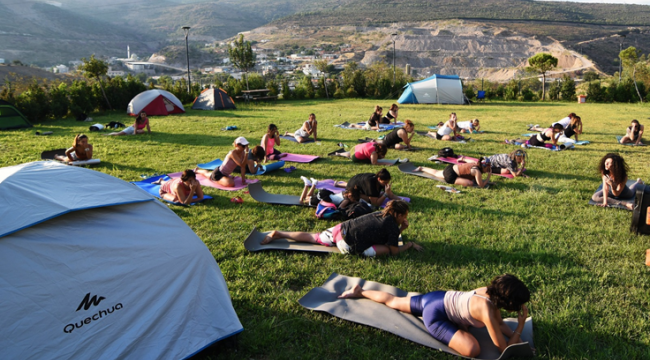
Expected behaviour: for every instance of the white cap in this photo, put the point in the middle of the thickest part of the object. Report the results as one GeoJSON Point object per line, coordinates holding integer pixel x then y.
{"type": "Point", "coordinates": [241, 141]}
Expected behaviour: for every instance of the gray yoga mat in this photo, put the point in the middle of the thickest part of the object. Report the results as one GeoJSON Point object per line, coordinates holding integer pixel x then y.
{"type": "Point", "coordinates": [408, 168]}
{"type": "Point", "coordinates": [252, 243]}
{"type": "Point", "coordinates": [50, 154]}
{"type": "Point", "coordinates": [629, 183]}
{"type": "Point", "coordinates": [367, 312]}
{"type": "Point", "coordinates": [291, 138]}
{"type": "Point", "coordinates": [257, 192]}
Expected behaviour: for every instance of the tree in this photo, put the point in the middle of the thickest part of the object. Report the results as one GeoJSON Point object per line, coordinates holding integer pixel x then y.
{"type": "Point", "coordinates": [242, 55]}
{"type": "Point", "coordinates": [95, 69]}
{"type": "Point", "coordinates": [630, 57]}
{"type": "Point", "coordinates": [542, 63]}
{"type": "Point", "coordinates": [322, 66]}
{"type": "Point", "coordinates": [568, 89]}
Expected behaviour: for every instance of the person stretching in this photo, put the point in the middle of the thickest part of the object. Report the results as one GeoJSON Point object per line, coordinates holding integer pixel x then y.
{"type": "Point", "coordinates": [253, 161]}
{"type": "Point", "coordinates": [80, 150]}
{"type": "Point", "coordinates": [633, 133]}
{"type": "Point", "coordinates": [370, 235]}
{"type": "Point", "coordinates": [513, 163]}
{"type": "Point", "coordinates": [269, 140]}
{"type": "Point", "coordinates": [181, 190]}
{"type": "Point", "coordinates": [548, 134]}
{"type": "Point", "coordinates": [390, 115]}
{"type": "Point", "coordinates": [308, 129]}
{"type": "Point", "coordinates": [141, 122]}
{"type": "Point", "coordinates": [395, 137]}
{"type": "Point", "coordinates": [373, 122]}
{"type": "Point", "coordinates": [613, 170]}
{"type": "Point", "coordinates": [368, 152]}
{"type": "Point", "coordinates": [468, 174]}
{"type": "Point", "coordinates": [374, 188]}
{"type": "Point", "coordinates": [235, 158]}
{"type": "Point", "coordinates": [448, 315]}
{"type": "Point", "coordinates": [444, 131]}
{"type": "Point", "coordinates": [468, 126]}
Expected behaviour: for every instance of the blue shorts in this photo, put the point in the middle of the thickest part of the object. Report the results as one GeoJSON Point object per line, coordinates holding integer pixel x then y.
{"type": "Point", "coordinates": [431, 307]}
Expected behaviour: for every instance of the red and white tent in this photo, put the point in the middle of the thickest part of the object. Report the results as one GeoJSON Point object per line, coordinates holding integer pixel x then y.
{"type": "Point", "coordinates": [155, 102]}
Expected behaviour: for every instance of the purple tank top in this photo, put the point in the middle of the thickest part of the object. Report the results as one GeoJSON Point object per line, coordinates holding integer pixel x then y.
{"type": "Point", "coordinates": [227, 167]}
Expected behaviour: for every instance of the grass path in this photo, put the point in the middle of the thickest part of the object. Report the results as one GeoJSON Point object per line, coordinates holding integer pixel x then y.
{"type": "Point", "coordinates": [590, 289]}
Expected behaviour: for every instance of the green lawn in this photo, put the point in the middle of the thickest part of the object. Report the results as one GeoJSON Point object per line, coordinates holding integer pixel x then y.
{"type": "Point", "coordinates": [590, 288]}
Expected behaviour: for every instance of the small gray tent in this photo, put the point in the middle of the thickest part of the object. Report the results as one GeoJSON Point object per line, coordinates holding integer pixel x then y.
{"type": "Point", "coordinates": [11, 118]}
{"type": "Point", "coordinates": [213, 99]}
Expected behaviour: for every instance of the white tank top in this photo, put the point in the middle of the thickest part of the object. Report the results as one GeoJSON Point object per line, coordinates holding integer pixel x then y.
{"type": "Point", "coordinates": [445, 130]}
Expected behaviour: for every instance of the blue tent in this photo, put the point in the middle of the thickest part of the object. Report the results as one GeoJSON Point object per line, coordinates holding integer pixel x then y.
{"type": "Point", "coordinates": [437, 89]}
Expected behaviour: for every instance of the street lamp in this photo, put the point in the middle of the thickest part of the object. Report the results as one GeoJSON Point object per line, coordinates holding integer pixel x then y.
{"type": "Point", "coordinates": [186, 29]}
{"type": "Point", "coordinates": [394, 36]}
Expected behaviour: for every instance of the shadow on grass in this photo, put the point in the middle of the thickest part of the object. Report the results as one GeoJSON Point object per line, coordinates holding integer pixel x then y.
{"type": "Point", "coordinates": [181, 139]}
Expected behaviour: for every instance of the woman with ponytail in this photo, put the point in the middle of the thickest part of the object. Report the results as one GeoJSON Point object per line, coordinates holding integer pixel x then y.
{"type": "Point", "coordinates": [370, 235]}
{"type": "Point", "coordinates": [468, 174]}
{"type": "Point", "coordinates": [365, 153]}
{"type": "Point", "coordinates": [374, 188]}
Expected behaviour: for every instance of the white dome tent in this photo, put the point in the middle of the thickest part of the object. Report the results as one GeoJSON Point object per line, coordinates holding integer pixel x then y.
{"type": "Point", "coordinates": [92, 267]}
{"type": "Point", "coordinates": [155, 102]}
{"type": "Point", "coordinates": [436, 89]}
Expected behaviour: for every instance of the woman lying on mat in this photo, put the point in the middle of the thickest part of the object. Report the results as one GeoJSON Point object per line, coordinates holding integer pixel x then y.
{"type": "Point", "coordinates": [370, 235]}
{"type": "Point", "coordinates": [182, 190]}
{"type": "Point", "coordinates": [469, 174]}
{"type": "Point", "coordinates": [80, 150]}
{"type": "Point", "coordinates": [546, 135]}
{"type": "Point", "coordinates": [347, 203]}
{"type": "Point", "coordinates": [468, 126]}
{"type": "Point", "coordinates": [613, 170]}
{"type": "Point", "coordinates": [570, 119]}
{"type": "Point", "coordinates": [448, 315]}
{"type": "Point", "coordinates": [141, 122]}
{"type": "Point", "coordinates": [395, 137]}
{"type": "Point", "coordinates": [308, 129]}
{"type": "Point", "coordinates": [633, 133]}
{"type": "Point", "coordinates": [373, 122]}
{"type": "Point", "coordinates": [513, 163]}
{"type": "Point", "coordinates": [269, 140]}
{"type": "Point", "coordinates": [374, 188]}
{"type": "Point", "coordinates": [444, 131]}
{"type": "Point", "coordinates": [390, 115]}
{"type": "Point", "coordinates": [365, 153]}
{"type": "Point", "coordinates": [237, 158]}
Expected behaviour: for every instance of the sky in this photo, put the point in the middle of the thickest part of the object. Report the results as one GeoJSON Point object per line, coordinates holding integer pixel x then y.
{"type": "Point", "coordinates": [639, 2]}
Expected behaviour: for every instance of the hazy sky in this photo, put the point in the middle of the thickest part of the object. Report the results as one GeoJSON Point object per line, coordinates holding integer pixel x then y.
{"type": "Point", "coordinates": [640, 2]}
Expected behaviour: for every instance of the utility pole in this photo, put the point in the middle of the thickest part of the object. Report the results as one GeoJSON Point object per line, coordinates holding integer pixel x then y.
{"type": "Point", "coordinates": [186, 29]}
{"type": "Point", "coordinates": [394, 35]}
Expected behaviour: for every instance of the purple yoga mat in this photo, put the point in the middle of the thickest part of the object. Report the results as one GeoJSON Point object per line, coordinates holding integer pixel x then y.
{"type": "Point", "coordinates": [207, 182]}
{"type": "Point", "coordinates": [329, 185]}
{"type": "Point", "coordinates": [298, 158]}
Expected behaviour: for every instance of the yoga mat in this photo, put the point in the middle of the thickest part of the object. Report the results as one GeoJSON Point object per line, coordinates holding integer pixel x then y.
{"type": "Point", "coordinates": [433, 127]}
{"type": "Point", "coordinates": [154, 189]}
{"type": "Point", "coordinates": [252, 243]}
{"type": "Point", "coordinates": [204, 181]}
{"type": "Point", "coordinates": [369, 313]}
{"type": "Point", "coordinates": [257, 193]}
{"type": "Point", "coordinates": [328, 184]}
{"type": "Point", "coordinates": [299, 158]}
{"type": "Point", "coordinates": [583, 142]}
{"type": "Point", "coordinates": [346, 126]}
{"type": "Point", "coordinates": [455, 161]}
{"type": "Point", "coordinates": [265, 168]}
{"type": "Point", "coordinates": [408, 168]}
{"type": "Point", "coordinates": [291, 138]}
{"type": "Point", "coordinates": [387, 162]}
{"type": "Point", "coordinates": [618, 139]}
{"type": "Point", "coordinates": [549, 147]}
{"type": "Point", "coordinates": [49, 155]}
{"type": "Point", "coordinates": [426, 134]}
{"type": "Point", "coordinates": [629, 183]}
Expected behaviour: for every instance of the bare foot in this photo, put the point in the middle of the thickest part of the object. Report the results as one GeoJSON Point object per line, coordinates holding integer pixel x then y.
{"type": "Point", "coordinates": [418, 169]}
{"type": "Point", "coordinates": [629, 206]}
{"type": "Point", "coordinates": [270, 237]}
{"type": "Point", "coordinates": [355, 292]}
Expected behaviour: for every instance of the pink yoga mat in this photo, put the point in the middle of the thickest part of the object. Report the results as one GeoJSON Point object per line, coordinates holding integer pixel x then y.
{"type": "Point", "coordinates": [298, 158]}
{"type": "Point", "coordinates": [449, 160]}
{"type": "Point", "coordinates": [207, 182]}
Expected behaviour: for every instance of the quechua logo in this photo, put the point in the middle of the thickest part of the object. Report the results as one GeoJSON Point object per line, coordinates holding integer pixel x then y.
{"type": "Point", "coordinates": [88, 301]}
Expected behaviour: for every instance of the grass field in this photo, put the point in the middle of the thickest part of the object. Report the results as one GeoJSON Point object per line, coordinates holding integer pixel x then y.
{"type": "Point", "coordinates": [590, 288]}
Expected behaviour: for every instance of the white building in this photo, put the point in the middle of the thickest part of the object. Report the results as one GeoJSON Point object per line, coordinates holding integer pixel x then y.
{"type": "Point", "coordinates": [61, 69]}
{"type": "Point", "coordinates": [311, 70]}
{"type": "Point", "coordinates": [140, 67]}
{"type": "Point", "coordinates": [2, 61]}
{"type": "Point", "coordinates": [75, 64]}
{"type": "Point", "coordinates": [225, 61]}
{"type": "Point", "coordinates": [112, 72]}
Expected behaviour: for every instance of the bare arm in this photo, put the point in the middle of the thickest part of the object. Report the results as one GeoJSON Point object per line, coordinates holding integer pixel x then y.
{"type": "Point", "coordinates": [374, 157]}
{"type": "Point", "coordinates": [479, 178]}
{"type": "Point", "coordinates": [404, 136]}
{"type": "Point", "coordinates": [315, 131]}
{"type": "Point", "coordinates": [148, 128]}
{"type": "Point", "coordinates": [553, 137]}
{"type": "Point", "coordinates": [182, 197]}
{"type": "Point", "coordinates": [496, 328]}
{"type": "Point", "coordinates": [69, 151]}
{"type": "Point", "coordinates": [638, 139]}
{"type": "Point", "coordinates": [89, 152]}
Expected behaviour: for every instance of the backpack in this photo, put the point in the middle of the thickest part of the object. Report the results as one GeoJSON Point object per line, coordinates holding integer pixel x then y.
{"type": "Point", "coordinates": [356, 210]}
{"type": "Point", "coordinates": [447, 152]}
{"type": "Point", "coordinates": [326, 211]}
{"type": "Point", "coordinates": [115, 125]}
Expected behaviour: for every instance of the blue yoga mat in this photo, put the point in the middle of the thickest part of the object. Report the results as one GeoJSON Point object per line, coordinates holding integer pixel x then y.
{"type": "Point", "coordinates": [291, 138]}
{"type": "Point", "coordinates": [618, 138]}
{"type": "Point", "coordinates": [154, 189]}
{"type": "Point", "coordinates": [265, 168]}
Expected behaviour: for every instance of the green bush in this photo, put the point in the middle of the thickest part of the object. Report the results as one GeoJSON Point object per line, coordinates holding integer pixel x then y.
{"type": "Point", "coordinates": [82, 100]}
{"type": "Point", "coordinates": [33, 102]}
{"type": "Point", "coordinates": [59, 102]}
{"type": "Point", "coordinates": [568, 89]}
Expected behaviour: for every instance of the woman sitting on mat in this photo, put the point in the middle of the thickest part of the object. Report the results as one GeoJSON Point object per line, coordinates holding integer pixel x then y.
{"type": "Point", "coordinates": [546, 135]}
{"type": "Point", "coordinates": [613, 170]}
{"type": "Point", "coordinates": [373, 122]}
{"type": "Point", "coordinates": [468, 126]}
{"type": "Point", "coordinates": [181, 190]}
{"type": "Point", "coordinates": [235, 158]}
{"type": "Point", "coordinates": [633, 133]}
{"type": "Point", "coordinates": [253, 160]}
{"type": "Point", "coordinates": [368, 153]}
{"type": "Point", "coordinates": [444, 131]}
{"type": "Point", "coordinates": [370, 235]}
{"type": "Point", "coordinates": [395, 137]}
{"type": "Point", "coordinates": [448, 315]}
{"type": "Point", "coordinates": [347, 202]}
{"type": "Point", "coordinates": [374, 188]}
{"type": "Point", "coordinates": [308, 129]}
{"type": "Point", "coordinates": [513, 163]}
{"type": "Point", "coordinates": [390, 115]}
{"type": "Point", "coordinates": [141, 122]}
{"type": "Point", "coordinates": [269, 140]}
{"type": "Point", "coordinates": [468, 174]}
{"type": "Point", "coordinates": [80, 150]}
